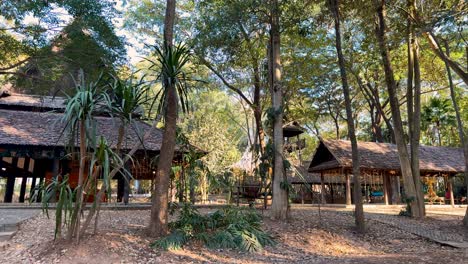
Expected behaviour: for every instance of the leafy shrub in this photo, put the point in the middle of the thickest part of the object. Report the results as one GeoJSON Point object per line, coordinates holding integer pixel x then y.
{"type": "Point", "coordinates": [407, 210]}
{"type": "Point", "coordinates": [226, 228]}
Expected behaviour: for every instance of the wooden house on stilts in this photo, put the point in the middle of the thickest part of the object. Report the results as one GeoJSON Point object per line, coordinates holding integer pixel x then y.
{"type": "Point", "coordinates": [33, 147]}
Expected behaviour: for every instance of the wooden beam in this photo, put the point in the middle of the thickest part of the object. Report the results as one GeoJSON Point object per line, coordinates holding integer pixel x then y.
{"type": "Point", "coordinates": [24, 180]}
{"type": "Point", "coordinates": [322, 191]}
{"type": "Point", "coordinates": [10, 186]}
{"type": "Point", "coordinates": [38, 172]}
{"type": "Point", "coordinates": [120, 188]}
{"type": "Point", "coordinates": [126, 187]}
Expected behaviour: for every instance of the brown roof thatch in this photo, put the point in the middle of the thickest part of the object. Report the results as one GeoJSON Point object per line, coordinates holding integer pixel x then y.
{"type": "Point", "coordinates": [32, 120]}
{"type": "Point", "coordinates": [26, 102]}
{"type": "Point", "coordinates": [27, 128]}
{"type": "Point", "coordinates": [334, 154]}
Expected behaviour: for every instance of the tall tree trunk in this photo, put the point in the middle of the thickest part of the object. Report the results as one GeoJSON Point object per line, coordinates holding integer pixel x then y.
{"type": "Point", "coordinates": [279, 206]}
{"type": "Point", "coordinates": [403, 155]}
{"type": "Point", "coordinates": [461, 133]}
{"type": "Point", "coordinates": [158, 225]}
{"type": "Point", "coordinates": [413, 100]}
{"type": "Point", "coordinates": [358, 211]}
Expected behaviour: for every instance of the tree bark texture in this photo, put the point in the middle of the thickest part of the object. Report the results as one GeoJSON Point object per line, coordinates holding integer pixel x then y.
{"type": "Point", "coordinates": [279, 207]}
{"type": "Point", "coordinates": [160, 198]}
{"type": "Point", "coordinates": [358, 211]}
{"type": "Point", "coordinates": [403, 155]}
{"type": "Point", "coordinates": [461, 133]}
{"type": "Point", "coordinates": [414, 105]}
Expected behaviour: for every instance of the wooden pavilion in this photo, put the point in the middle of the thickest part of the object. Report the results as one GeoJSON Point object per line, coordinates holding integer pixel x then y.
{"type": "Point", "coordinates": [32, 145]}
{"type": "Point", "coordinates": [380, 167]}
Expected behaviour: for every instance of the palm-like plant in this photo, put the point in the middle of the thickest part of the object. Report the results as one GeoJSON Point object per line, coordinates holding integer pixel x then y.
{"type": "Point", "coordinates": [171, 63]}
{"type": "Point", "coordinates": [79, 117]}
{"type": "Point", "coordinates": [125, 100]}
{"type": "Point", "coordinates": [437, 115]}
{"type": "Point", "coordinates": [103, 160]}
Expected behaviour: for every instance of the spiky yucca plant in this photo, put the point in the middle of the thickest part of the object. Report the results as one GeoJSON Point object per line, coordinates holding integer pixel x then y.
{"type": "Point", "coordinates": [78, 119]}
{"type": "Point", "coordinates": [103, 160]}
{"type": "Point", "coordinates": [64, 206]}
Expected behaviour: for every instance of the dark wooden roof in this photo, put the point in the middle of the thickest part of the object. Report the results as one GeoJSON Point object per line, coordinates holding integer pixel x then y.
{"type": "Point", "coordinates": [292, 129]}
{"type": "Point", "coordinates": [14, 101]}
{"type": "Point", "coordinates": [35, 121]}
{"type": "Point", "coordinates": [26, 128]}
{"type": "Point", "coordinates": [335, 154]}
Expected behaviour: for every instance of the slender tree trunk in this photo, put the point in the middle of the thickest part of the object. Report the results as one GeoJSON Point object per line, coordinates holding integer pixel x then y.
{"type": "Point", "coordinates": [434, 44]}
{"type": "Point", "coordinates": [358, 211]}
{"type": "Point", "coordinates": [75, 224]}
{"type": "Point", "coordinates": [279, 206]}
{"type": "Point", "coordinates": [403, 155]}
{"type": "Point", "coordinates": [461, 133]}
{"type": "Point", "coordinates": [257, 107]}
{"type": "Point", "coordinates": [337, 128]}
{"type": "Point", "coordinates": [96, 208]}
{"type": "Point", "coordinates": [413, 100]}
{"type": "Point", "coordinates": [158, 225]}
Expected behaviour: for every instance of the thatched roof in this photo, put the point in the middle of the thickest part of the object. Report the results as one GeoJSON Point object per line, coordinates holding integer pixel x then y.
{"type": "Point", "coordinates": [35, 121]}
{"type": "Point", "coordinates": [26, 128]}
{"type": "Point", "coordinates": [26, 102]}
{"type": "Point", "coordinates": [336, 154]}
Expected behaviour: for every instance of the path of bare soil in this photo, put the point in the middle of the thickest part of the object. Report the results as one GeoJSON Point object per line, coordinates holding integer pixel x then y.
{"type": "Point", "coordinates": [306, 238]}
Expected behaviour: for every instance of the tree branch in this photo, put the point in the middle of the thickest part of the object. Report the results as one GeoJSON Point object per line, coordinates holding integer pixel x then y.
{"type": "Point", "coordinates": [9, 67]}
{"type": "Point", "coordinates": [225, 82]}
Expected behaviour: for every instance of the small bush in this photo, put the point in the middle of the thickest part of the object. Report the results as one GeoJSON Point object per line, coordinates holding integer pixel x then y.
{"type": "Point", "coordinates": [226, 228]}
{"type": "Point", "coordinates": [407, 210]}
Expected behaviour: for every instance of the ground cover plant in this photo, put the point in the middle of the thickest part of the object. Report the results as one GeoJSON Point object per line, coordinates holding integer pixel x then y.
{"type": "Point", "coordinates": [230, 227]}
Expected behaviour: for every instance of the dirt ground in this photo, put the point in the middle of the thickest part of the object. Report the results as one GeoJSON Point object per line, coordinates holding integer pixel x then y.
{"type": "Point", "coordinates": [306, 238]}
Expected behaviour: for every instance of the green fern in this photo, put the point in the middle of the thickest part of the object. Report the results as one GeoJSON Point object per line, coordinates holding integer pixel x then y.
{"type": "Point", "coordinates": [173, 241]}
{"type": "Point", "coordinates": [230, 227]}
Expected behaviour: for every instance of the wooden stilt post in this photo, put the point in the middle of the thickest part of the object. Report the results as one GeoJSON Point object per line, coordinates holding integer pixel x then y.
{"type": "Point", "coordinates": [385, 188]}
{"type": "Point", "coordinates": [348, 188]}
{"type": "Point", "coordinates": [24, 179]}
{"type": "Point", "coordinates": [120, 189]}
{"type": "Point", "coordinates": [55, 172]}
{"type": "Point", "coordinates": [322, 191]}
{"type": "Point", "coordinates": [126, 185]}
{"type": "Point", "coordinates": [39, 171]}
{"type": "Point", "coordinates": [302, 192]}
{"type": "Point", "coordinates": [34, 178]}
{"type": "Point", "coordinates": [10, 186]}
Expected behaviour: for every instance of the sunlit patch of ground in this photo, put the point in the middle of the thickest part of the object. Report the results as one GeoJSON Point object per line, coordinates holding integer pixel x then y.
{"type": "Point", "coordinates": [306, 238]}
